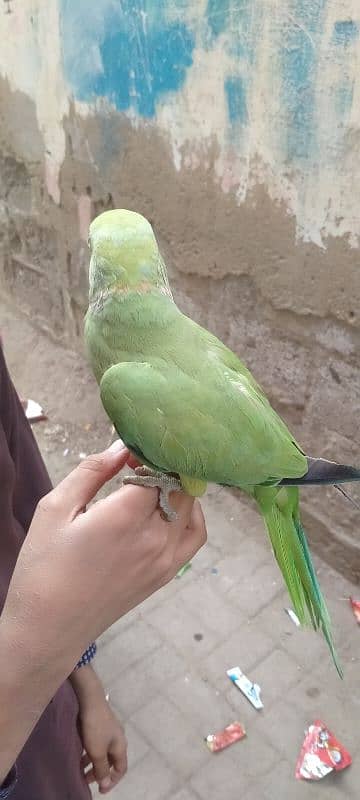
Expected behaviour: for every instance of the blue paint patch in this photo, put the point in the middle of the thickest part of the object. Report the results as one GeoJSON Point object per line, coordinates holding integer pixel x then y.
{"type": "Point", "coordinates": [142, 55]}
{"type": "Point", "coordinates": [217, 13]}
{"type": "Point", "coordinates": [343, 101]}
{"type": "Point", "coordinates": [137, 71]}
{"type": "Point", "coordinates": [299, 59]}
{"type": "Point", "coordinates": [235, 18]}
{"type": "Point", "coordinates": [239, 25]}
{"type": "Point", "coordinates": [345, 32]}
{"type": "Point", "coordinates": [236, 99]}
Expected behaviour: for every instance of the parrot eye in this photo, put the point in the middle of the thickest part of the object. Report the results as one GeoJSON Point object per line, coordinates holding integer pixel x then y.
{"type": "Point", "coordinates": [89, 243]}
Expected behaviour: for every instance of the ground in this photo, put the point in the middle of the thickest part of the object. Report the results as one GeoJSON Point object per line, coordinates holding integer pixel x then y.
{"type": "Point", "coordinates": [165, 663]}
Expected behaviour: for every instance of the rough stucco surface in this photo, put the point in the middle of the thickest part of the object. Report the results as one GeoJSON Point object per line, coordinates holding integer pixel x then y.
{"type": "Point", "coordinates": [242, 150]}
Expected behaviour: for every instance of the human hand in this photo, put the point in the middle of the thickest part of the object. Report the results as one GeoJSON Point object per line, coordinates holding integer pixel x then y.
{"type": "Point", "coordinates": [83, 570]}
{"type": "Point", "coordinates": [77, 573]}
{"type": "Point", "coordinates": [103, 739]}
{"type": "Point", "coordinates": [105, 746]}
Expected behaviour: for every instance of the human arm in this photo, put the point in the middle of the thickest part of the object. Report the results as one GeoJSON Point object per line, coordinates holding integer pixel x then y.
{"type": "Point", "coordinates": [102, 735]}
{"type": "Point", "coordinates": [76, 574]}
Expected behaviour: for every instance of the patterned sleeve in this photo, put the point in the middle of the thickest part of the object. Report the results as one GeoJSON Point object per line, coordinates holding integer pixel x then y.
{"type": "Point", "coordinates": [85, 659]}
{"type": "Point", "coordinates": [7, 788]}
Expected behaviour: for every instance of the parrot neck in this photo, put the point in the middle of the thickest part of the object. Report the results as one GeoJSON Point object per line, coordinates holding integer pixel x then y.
{"type": "Point", "coordinates": [106, 281]}
{"type": "Point", "coordinates": [102, 278]}
{"type": "Point", "coordinates": [119, 324]}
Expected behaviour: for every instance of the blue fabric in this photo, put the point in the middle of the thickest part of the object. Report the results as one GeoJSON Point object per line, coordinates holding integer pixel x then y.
{"type": "Point", "coordinates": [87, 657]}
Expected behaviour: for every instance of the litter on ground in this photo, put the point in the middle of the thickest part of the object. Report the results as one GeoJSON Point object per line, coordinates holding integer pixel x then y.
{"type": "Point", "coordinates": [249, 689]}
{"type": "Point", "coordinates": [355, 605]}
{"type": "Point", "coordinates": [231, 734]}
{"type": "Point", "coordinates": [33, 411]}
{"type": "Point", "coordinates": [320, 754]}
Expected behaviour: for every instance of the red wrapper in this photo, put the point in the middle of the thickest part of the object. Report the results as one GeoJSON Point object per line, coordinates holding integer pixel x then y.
{"type": "Point", "coordinates": [355, 605]}
{"type": "Point", "coordinates": [218, 741]}
{"type": "Point", "coordinates": [320, 754]}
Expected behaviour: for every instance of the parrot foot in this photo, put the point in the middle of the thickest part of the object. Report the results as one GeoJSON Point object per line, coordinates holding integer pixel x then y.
{"type": "Point", "coordinates": [144, 476]}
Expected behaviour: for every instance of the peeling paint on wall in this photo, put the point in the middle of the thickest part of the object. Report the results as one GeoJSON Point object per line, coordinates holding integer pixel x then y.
{"type": "Point", "coordinates": [299, 64]}
{"type": "Point", "coordinates": [139, 54]}
{"type": "Point", "coordinates": [236, 99]}
{"type": "Point", "coordinates": [276, 85]}
{"type": "Point", "coordinates": [346, 31]}
{"type": "Point", "coordinates": [30, 59]}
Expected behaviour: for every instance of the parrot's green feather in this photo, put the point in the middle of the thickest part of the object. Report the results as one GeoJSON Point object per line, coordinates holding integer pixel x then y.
{"type": "Point", "coordinates": [185, 403]}
{"type": "Point", "coordinates": [279, 507]}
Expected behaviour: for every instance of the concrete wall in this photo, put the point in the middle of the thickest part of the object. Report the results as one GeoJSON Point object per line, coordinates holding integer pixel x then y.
{"type": "Point", "coordinates": [234, 125]}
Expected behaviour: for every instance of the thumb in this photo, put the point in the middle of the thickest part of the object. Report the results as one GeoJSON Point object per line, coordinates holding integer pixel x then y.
{"type": "Point", "coordinates": [83, 483]}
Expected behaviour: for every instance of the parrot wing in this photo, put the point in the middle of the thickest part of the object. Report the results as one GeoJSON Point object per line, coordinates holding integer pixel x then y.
{"type": "Point", "coordinates": [221, 429]}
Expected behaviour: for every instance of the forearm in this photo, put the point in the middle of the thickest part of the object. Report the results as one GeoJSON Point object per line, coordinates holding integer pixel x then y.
{"type": "Point", "coordinates": [28, 681]}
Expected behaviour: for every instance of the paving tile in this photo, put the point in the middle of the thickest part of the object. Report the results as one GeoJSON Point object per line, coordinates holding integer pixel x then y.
{"type": "Point", "coordinates": [131, 644]}
{"type": "Point", "coordinates": [173, 735]}
{"type": "Point", "coordinates": [280, 784]}
{"type": "Point", "coordinates": [306, 646]}
{"type": "Point", "coordinates": [161, 597]}
{"type": "Point", "coordinates": [256, 590]}
{"type": "Point", "coordinates": [336, 590]}
{"type": "Point", "coordinates": [350, 661]}
{"type": "Point", "coordinates": [150, 779]}
{"type": "Point", "coordinates": [231, 518]}
{"type": "Point", "coordinates": [142, 682]}
{"type": "Point", "coordinates": [213, 610]}
{"type": "Point", "coordinates": [233, 569]}
{"type": "Point", "coordinates": [244, 648]}
{"type": "Point", "coordinates": [137, 745]}
{"type": "Point", "coordinates": [206, 708]}
{"type": "Point", "coordinates": [336, 786]}
{"type": "Point", "coordinates": [185, 627]}
{"type": "Point", "coordinates": [205, 559]}
{"type": "Point", "coordinates": [314, 698]}
{"type": "Point", "coordinates": [185, 794]}
{"type": "Point", "coordinates": [225, 531]}
{"type": "Point", "coordinates": [243, 711]}
{"type": "Point", "coordinates": [284, 725]}
{"type": "Point", "coordinates": [120, 626]}
{"type": "Point", "coordinates": [275, 675]}
{"type": "Point", "coordinates": [229, 774]}
{"type": "Point", "coordinates": [347, 782]}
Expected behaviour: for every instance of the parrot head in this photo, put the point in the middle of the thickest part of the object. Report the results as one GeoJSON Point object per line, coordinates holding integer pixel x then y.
{"type": "Point", "coordinates": [124, 253]}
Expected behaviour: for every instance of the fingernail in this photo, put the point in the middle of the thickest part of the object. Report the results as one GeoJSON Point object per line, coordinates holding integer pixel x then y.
{"type": "Point", "coordinates": [105, 783]}
{"type": "Point", "coordinates": [117, 446]}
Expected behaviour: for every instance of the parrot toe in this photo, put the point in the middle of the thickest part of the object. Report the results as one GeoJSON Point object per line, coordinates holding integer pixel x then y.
{"type": "Point", "coordinates": [144, 476]}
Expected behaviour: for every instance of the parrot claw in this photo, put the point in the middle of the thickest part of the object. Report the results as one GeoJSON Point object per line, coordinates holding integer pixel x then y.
{"type": "Point", "coordinates": [144, 476]}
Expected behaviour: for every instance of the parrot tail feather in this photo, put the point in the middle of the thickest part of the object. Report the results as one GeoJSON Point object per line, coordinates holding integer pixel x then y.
{"type": "Point", "coordinates": [279, 507]}
{"type": "Point", "coordinates": [321, 471]}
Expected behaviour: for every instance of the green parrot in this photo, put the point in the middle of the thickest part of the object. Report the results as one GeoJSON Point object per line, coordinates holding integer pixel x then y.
{"type": "Point", "coordinates": [188, 408]}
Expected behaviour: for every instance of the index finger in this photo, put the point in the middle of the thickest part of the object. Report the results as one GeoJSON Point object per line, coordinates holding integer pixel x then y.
{"type": "Point", "coordinates": [82, 484]}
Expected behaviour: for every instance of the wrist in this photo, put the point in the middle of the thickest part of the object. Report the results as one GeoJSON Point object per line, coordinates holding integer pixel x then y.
{"type": "Point", "coordinates": [87, 687]}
